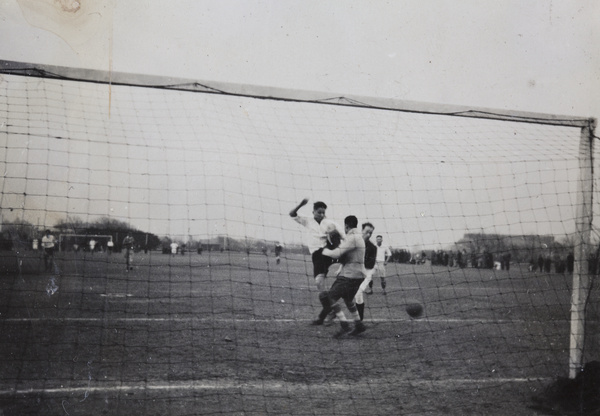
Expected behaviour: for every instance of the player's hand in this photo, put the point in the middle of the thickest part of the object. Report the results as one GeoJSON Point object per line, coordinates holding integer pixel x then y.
{"type": "Point", "coordinates": [294, 212]}
{"type": "Point", "coordinates": [334, 270]}
{"type": "Point", "coordinates": [334, 239]}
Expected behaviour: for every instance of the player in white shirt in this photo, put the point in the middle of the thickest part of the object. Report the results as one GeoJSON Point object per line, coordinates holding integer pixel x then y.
{"type": "Point", "coordinates": [317, 229]}
{"type": "Point", "coordinates": [383, 256]}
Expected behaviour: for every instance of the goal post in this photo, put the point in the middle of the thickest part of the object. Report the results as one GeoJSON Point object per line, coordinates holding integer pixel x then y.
{"type": "Point", "coordinates": [582, 279]}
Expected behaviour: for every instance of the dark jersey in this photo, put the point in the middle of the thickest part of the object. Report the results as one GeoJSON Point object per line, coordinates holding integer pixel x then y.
{"type": "Point", "coordinates": [370, 255]}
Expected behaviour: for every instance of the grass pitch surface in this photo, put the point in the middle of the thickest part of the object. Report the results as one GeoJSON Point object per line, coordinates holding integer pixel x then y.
{"type": "Point", "coordinates": [229, 333]}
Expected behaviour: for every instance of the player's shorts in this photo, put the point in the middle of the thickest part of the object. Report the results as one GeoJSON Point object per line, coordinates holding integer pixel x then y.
{"type": "Point", "coordinates": [379, 269]}
{"type": "Point", "coordinates": [49, 251]}
{"type": "Point", "coordinates": [321, 263]}
{"type": "Point", "coordinates": [344, 288]}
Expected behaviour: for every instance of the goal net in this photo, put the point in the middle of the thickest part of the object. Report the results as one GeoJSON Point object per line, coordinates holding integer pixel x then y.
{"type": "Point", "coordinates": [487, 215]}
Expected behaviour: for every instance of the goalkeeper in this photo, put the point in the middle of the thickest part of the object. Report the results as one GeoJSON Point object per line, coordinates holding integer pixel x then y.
{"type": "Point", "coordinates": [352, 257]}
{"type": "Point", "coordinates": [317, 229]}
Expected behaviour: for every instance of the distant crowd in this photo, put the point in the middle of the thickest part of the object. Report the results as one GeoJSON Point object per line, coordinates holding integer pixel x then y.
{"type": "Point", "coordinates": [546, 262]}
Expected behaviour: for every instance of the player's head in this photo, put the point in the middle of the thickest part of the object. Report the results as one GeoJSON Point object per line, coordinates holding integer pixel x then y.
{"type": "Point", "coordinates": [350, 222]}
{"type": "Point", "coordinates": [379, 239]}
{"type": "Point", "coordinates": [367, 230]}
{"type": "Point", "coordinates": [319, 209]}
{"type": "Point", "coordinates": [47, 232]}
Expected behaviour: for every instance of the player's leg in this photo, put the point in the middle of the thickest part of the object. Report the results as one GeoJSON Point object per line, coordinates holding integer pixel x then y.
{"type": "Point", "coordinates": [50, 259]}
{"type": "Point", "coordinates": [323, 299]}
{"type": "Point", "coordinates": [127, 259]}
{"type": "Point", "coordinates": [325, 308]}
{"type": "Point", "coordinates": [382, 276]}
{"type": "Point", "coordinates": [320, 282]}
{"type": "Point", "coordinates": [51, 265]}
{"type": "Point", "coordinates": [370, 284]}
{"type": "Point", "coordinates": [367, 282]}
{"type": "Point", "coordinates": [340, 290]}
{"type": "Point", "coordinates": [352, 308]}
{"type": "Point", "coordinates": [330, 316]}
{"type": "Point", "coordinates": [360, 304]}
{"type": "Point", "coordinates": [353, 288]}
{"type": "Point", "coordinates": [320, 266]}
{"type": "Point", "coordinates": [359, 298]}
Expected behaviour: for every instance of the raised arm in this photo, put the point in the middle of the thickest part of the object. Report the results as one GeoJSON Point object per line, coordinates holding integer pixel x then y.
{"type": "Point", "coordinates": [294, 211]}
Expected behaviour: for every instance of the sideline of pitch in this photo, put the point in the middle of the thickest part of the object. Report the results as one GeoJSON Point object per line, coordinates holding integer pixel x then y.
{"type": "Point", "coordinates": [241, 321]}
{"type": "Point", "coordinates": [198, 385]}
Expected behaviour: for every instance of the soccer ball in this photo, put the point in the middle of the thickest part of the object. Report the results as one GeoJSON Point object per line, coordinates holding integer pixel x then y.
{"type": "Point", "coordinates": [414, 309]}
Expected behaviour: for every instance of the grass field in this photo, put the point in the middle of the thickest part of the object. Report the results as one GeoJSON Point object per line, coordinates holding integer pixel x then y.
{"type": "Point", "coordinates": [228, 333]}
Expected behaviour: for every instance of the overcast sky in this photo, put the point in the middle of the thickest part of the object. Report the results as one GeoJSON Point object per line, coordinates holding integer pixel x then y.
{"type": "Point", "coordinates": [533, 56]}
{"type": "Point", "coordinates": [528, 56]}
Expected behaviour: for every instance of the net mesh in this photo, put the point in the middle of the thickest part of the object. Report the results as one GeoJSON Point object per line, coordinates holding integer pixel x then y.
{"type": "Point", "coordinates": [479, 214]}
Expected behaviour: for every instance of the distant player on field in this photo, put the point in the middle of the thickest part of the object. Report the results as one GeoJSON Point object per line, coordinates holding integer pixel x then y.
{"type": "Point", "coordinates": [317, 228]}
{"type": "Point", "coordinates": [278, 249]}
{"type": "Point", "coordinates": [174, 247]}
{"type": "Point", "coordinates": [351, 253]}
{"type": "Point", "coordinates": [383, 256]}
{"type": "Point", "coordinates": [48, 243]}
{"type": "Point", "coordinates": [370, 259]}
{"type": "Point", "coordinates": [128, 244]}
{"type": "Point", "coordinates": [92, 244]}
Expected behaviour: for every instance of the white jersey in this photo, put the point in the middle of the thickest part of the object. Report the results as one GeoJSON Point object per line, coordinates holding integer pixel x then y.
{"type": "Point", "coordinates": [48, 241]}
{"type": "Point", "coordinates": [316, 234]}
{"type": "Point", "coordinates": [383, 253]}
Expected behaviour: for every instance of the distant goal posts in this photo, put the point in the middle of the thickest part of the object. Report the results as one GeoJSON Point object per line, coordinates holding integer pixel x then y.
{"type": "Point", "coordinates": [85, 242]}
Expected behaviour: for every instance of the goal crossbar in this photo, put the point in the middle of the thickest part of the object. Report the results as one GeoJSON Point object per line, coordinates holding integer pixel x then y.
{"type": "Point", "coordinates": [272, 93]}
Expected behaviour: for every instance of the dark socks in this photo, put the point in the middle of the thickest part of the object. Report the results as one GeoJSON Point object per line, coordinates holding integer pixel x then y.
{"type": "Point", "coordinates": [361, 310]}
